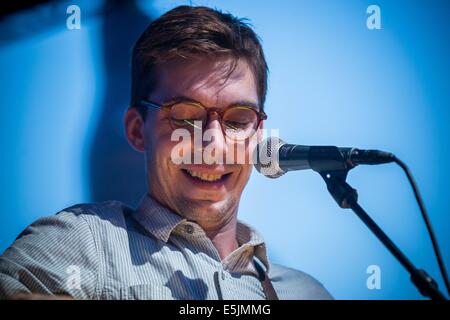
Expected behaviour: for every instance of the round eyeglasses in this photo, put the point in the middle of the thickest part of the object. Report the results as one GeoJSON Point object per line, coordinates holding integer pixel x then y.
{"type": "Point", "coordinates": [237, 122]}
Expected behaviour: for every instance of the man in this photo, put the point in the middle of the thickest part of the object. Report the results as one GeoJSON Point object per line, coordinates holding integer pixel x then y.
{"type": "Point", "coordinates": [194, 70]}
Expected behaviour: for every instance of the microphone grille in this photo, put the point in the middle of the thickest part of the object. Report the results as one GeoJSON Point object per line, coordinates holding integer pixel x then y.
{"type": "Point", "coordinates": [268, 157]}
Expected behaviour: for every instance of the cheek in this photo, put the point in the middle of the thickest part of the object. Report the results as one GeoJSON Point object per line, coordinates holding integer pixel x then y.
{"type": "Point", "coordinates": [158, 146]}
{"type": "Point", "coordinates": [241, 153]}
{"type": "Point", "coordinates": [245, 166]}
{"type": "Point", "coordinates": [246, 171]}
{"type": "Point", "coordinates": [162, 150]}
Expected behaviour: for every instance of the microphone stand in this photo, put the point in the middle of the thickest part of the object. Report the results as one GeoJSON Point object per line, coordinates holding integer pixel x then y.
{"type": "Point", "coordinates": [347, 197]}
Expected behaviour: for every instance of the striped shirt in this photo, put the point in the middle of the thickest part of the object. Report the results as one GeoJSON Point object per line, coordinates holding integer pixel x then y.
{"type": "Point", "coordinates": [110, 251]}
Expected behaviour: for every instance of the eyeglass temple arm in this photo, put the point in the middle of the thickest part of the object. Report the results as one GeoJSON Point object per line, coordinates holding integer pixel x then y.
{"type": "Point", "coordinates": [150, 104]}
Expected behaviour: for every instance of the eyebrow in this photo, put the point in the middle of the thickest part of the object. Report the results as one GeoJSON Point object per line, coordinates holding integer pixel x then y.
{"type": "Point", "coordinates": [245, 103]}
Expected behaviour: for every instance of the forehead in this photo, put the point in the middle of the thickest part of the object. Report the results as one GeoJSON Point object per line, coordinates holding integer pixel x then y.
{"type": "Point", "coordinates": [205, 81]}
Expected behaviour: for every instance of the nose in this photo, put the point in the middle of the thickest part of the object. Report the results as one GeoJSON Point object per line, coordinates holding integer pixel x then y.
{"type": "Point", "coordinates": [214, 140]}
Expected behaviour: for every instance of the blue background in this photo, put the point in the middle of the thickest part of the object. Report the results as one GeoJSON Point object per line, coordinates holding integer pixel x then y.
{"type": "Point", "coordinates": [332, 82]}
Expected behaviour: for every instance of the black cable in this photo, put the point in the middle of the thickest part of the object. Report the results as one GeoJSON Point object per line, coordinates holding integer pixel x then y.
{"type": "Point", "coordinates": [427, 222]}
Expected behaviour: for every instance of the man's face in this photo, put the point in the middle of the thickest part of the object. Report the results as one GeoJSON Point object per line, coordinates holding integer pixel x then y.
{"type": "Point", "coordinates": [183, 187]}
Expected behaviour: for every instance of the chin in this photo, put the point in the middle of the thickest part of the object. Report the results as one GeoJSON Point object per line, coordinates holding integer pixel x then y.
{"type": "Point", "coordinates": [206, 209]}
{"type": "Point", "coordinates": [204, 197]}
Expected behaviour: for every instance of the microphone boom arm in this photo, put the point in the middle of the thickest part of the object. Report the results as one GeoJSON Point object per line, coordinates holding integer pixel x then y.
{"type": "Point", "coordinates": [347, 197]}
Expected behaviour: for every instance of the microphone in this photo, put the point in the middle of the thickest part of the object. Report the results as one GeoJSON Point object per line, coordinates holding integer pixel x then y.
{"type": "Point", "coordinates": [276, 157]}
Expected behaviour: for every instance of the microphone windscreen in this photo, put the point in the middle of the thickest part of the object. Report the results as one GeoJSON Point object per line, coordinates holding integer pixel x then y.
{"type": "Point", "coordinates": [268, 157]}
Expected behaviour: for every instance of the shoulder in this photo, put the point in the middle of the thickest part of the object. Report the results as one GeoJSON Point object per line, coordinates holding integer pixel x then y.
{"type": "Point", "coordinates": [294, 284]}
{"type": "Point", "coordinates": [84, 217]}
{"type": "Point", "coordinates": [48, 251]}
{"type": "Point", "coordinates": [108, 212]}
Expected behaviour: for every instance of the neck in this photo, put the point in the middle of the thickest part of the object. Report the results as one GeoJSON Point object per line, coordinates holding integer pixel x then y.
{"type": "Point", "coordinates": [222, 234]}
{"type": "Point", "coordinates": [224, 238]}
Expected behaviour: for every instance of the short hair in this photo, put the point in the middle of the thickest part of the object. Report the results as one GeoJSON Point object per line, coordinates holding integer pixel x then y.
{"type": "Point", "coordinates": [189, 32]}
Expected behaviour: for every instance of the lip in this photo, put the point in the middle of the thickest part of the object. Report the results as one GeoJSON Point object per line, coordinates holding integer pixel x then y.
{"type": "Point", "coordinates": [212, 185]}
{"type": "Point", "coordinates": [208, 169]}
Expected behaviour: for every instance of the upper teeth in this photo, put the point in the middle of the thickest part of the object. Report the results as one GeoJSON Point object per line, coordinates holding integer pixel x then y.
{"type": "Point", "coordinates": [205, 176]}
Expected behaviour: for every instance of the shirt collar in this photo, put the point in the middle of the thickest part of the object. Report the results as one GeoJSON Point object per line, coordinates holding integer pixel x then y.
{"type": "Point", "coordinates": [157, 219]}
{"type": "Point", "coordinates": [250, 239]}
{"type": "Point", "coordinates": [161, 221]}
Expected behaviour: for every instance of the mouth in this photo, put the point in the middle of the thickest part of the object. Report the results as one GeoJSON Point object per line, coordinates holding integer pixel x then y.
{"type": "Point", "coordinates": [206, 179]}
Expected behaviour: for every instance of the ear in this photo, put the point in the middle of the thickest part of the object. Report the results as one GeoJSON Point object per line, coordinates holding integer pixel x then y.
{"type": "Point", "coordinates": [134, 129]}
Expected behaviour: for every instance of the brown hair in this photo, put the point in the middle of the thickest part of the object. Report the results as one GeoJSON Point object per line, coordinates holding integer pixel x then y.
{"type": "Point", "coordinates": [187, 32]}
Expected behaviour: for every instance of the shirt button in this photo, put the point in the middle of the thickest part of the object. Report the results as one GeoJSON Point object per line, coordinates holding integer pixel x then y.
{"type": "Point", "coordinates": [223, 275]}
{"type": "Point", "coordinates": [189, 229]}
